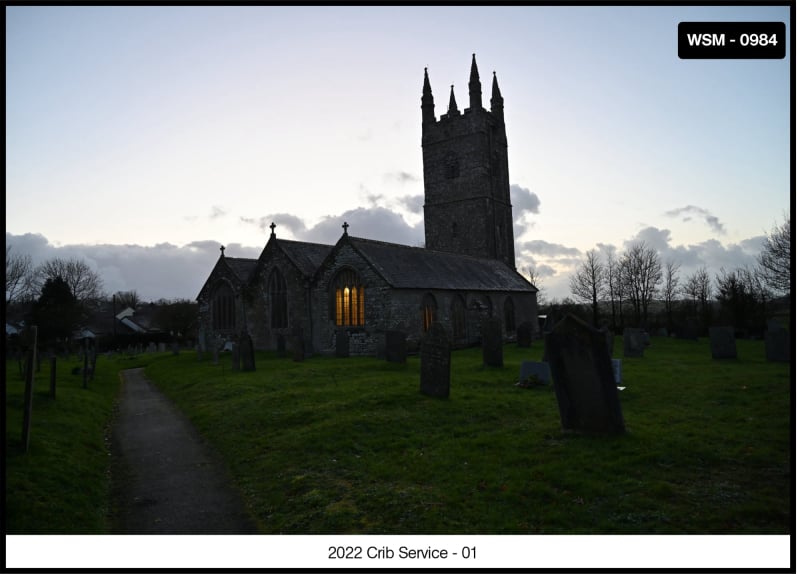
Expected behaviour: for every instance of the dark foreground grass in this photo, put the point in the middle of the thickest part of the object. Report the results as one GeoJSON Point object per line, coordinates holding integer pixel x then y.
{"type": "Point", "coordinates": [62, 484]}
{"type": "Point", "coordinates": [351, 446]}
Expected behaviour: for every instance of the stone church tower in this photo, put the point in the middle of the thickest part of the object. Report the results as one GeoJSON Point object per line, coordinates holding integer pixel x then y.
{"type": "Point", "coordinates": [465, 166]}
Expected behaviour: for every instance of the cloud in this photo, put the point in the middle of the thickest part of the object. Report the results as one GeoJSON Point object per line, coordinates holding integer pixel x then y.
{"type": "Point", "coordinates": [370, 223]}
{"type": "Point", "coordinates": [412, 203]}
{"type": "Point", "coordinates": [524, 201]}
{"type": "Point", "coordinates": [217, 212]}
{"type": "Point", "coordinates": [282, 221]}
{"type": "Point", "coordinates": [540, 247]}
{"type": "Point", "coordinates": [691, 211]}
{"type": "Point", "coordinates": [400, 177]}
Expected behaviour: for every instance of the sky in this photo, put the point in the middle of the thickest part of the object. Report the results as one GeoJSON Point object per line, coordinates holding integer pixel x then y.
{"type": "Point", "coordinates": [140, 139]}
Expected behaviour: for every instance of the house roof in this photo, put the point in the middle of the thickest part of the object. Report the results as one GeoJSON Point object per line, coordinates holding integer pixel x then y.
{"type": "Point", "coordinates": [406, 267]}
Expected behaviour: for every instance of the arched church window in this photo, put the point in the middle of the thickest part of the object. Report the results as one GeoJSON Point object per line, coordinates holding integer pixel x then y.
{"type": "Point", "coordinates": [348, 292]}
{"type": "Point", "coordinates": [223, 309]}
{"type": "Point", "coordinates": [428, 311]}
{"type": "Point", "coordinates": [278, 306]}
{"type": "Point", "coordinates": [458, 317]}
{"type": "Point", "coordinates": [508, 314]}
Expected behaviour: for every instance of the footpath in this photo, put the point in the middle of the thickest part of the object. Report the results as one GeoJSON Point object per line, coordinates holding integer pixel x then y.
{"type": "Point", "coordinates": [165, 478]}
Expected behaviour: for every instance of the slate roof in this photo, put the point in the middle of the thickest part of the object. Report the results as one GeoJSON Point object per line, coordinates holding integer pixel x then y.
{"type": "Point", "coordinates": [306, 256]}
{"type": "Point", "coordinates": [406, 267]}
{"type": "Point", "coordinates": [241, 267]}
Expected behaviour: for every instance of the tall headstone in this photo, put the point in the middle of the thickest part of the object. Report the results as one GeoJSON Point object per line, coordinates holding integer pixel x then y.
{"type": "Point", "coordinates": [236, 363]}
{"type": "Point", "coordinates": [583, 378]}
{"type": "Point", "coordinates": [634, 342]}
{"type": "Point", "coordinates": [342, 344]}
{"type": "Point", "coordinates": [525, 334]}
{"type": "Point", "coordinates": [723, 342]}
{"type": "Point", "coordinates": [777, 345]}
{"type": "Point", "coordinates": [395, 346]}
{"type": "Point", "coordinates": [492, 342]}
{"type": "Point", "coordinates": [434, 353]}
{"type": "Point", "coordinates": [247, 352]}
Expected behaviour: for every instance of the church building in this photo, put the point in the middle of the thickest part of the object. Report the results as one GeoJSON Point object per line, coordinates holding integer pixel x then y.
{"type": "Point", "coordinates": [361, 288]}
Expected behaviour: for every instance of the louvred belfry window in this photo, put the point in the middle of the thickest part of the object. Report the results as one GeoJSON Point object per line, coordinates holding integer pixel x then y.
{"type": "Point", "coordinates": [349, 299]}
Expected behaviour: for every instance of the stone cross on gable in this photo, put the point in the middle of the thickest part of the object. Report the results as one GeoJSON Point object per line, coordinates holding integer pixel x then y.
{"type": "Point", "coordinates": [272, 227]}
{"type": "Point", "coordinates": [222, 250]}
{"type": "Point", "coordinates": [345, 226]}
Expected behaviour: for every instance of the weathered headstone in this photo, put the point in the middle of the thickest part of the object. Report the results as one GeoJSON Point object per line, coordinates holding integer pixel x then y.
{"type": "Point", "coordinates": [723, 342]}
{"type": "Point", "coordinates": [492, 342]}
{"type": "Point", "coordinates": [616, 366]}
{"type": "Point", "coordinates": [395, 346]}
{"type": "Point", "coordinates": [434, 352]}
{"type": "Point", "coordinates": [176, 348]}
{"type": "Point", "coordinates": [236, 361]}
{"type": "Point", "coordinates": [280, 345]}
{"type": "Point", "coordinates": [342, 344]}
{"type": "Point", "coordinates": [777, 345]}
{"type": "Point", "coordinates": [162, 347]}
{"type": "Point", "coordinates": [247, 352]}
{"type": "Point", "coordinates": [583, 378]}
{"type": "Point", "coordinates": [534, 374]}
{"type": "Point", "coordinates": [525, 334]}
{"type": "Point", "coordinates": [634, 342]}
{"type": "Point", "coordinates": [151, 347]}
{"type": "Point", "coordinates": [298, 346]}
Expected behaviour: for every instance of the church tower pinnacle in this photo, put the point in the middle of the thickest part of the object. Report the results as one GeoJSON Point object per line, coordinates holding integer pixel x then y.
{"type": "Point", "coordinates": [497, 99]}
{"type": "Point", "coordinates": [475, 102]}
{"type": "Point", "coordinates": [452, 109]}
{"type": "Point", "coordinates": [428, 115]}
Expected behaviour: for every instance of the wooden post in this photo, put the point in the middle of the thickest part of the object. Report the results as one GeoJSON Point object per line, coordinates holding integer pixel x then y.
{"type": "Point", "coordinates": [28, 407]}
{"type": "Point", "coordinates": [53, 376]}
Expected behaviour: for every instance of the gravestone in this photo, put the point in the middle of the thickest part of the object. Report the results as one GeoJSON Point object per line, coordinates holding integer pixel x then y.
{"type": "Point", "coordinates": [616, 366]}
{"type": "Point", "coordinates": [434, 353]}
{"type": "Point", "coordinates": [236, 363]}
{"type": "Point", "coordinates": [395, 346]}
{"type": "Point", "coordinates": [342, 344]}
{"type": "Point", "coordinates": [662, 332]}
{"type": "Point", "coordinates": [634, 342]}
{"type": "Point", "coordinates": [151, 348]}
{"type": "Point", "coordinates": [176, 348]}
{"type": "Point", "coordinates": [583, 378]}
{"type": "Point", "coordinates": [162, 347]}
{"type": "Point", "coordinates": [525, 334]}
{"type": "Point", "coordinates": [298, 346]}
{"type": "Point", "coordinates": [723, 342]}
{"type": "Point", "coordinates": [534, 374]}
{"type": "Point", "coordinates": [776, 342]}
{"type": "Point", "coordinates": [248, 355]}
{"type": "Point", "coordinates": [280, 345]}
{"type": "Point", "coordinates": [492, 342]}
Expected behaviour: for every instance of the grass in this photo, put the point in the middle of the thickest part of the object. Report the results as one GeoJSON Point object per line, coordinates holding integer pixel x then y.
{"type": "Point", "coordinates": [62, 484]}
{"type": "Point", "coordinates": [351, 446]}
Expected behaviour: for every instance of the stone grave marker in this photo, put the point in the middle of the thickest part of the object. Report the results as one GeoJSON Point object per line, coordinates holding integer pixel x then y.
{"type": "Point", "coordinates": [176, 348]}
{"type": "Point", "coordinates": [616, 366]}
{"type": "Point", "coordinates": [583, 378]}
{"type": "Point", "coordinates": [247, 352]}
{"type": "Point", "coordinates": [723, 342]}
{"type": "Point", "coordinates": [395, 349]}
{"type": "Point", "coordinates": [162, 347]}
{"type": "Point", "coordinates": [525, 334]}
{"type": "Point", "coordinates": [342, 344]}
{"type": "Point", "coordinates": [236, 362]}
{"type": "Point", "coordinates": [434, 352]}
{"type": "Point", "coordinates": [634, 342]}
{"type": "Point", "coordinates": [492, 342]}
{"type": "Point", "coordinates": [534, 374]}
{"type": "Point", "coordinates": [776, 342]}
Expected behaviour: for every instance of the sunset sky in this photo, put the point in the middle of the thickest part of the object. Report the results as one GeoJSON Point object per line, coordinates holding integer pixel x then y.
{"type": "Point", "coordinates": [142, 138]}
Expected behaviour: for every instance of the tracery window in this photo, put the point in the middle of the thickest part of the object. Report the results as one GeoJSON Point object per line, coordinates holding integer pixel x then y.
{"type": "Point", "coordinates": [428, 312]}
{"type": "Point", "coordinates": [223, 309]}
{"type": "Point", "coordinates": [458, 317]}
{"type": "Point", "coordinates": [508, 313]}
{"type": "Point", "coordinates": [278, 305]}
{"type": "Point", "coordinates": [348, 298]}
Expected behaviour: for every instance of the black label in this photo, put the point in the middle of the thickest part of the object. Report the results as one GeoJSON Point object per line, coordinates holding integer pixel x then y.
{"type": "Point", "coordinates": [732, 40]}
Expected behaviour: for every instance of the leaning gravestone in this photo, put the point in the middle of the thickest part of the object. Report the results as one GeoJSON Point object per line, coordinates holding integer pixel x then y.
{"type": "Point", "coordinates": [723, 342]}
{"type": "Point", "coordinates": [434, 353]}
{"type": "Point", "coordinates": [395, 348]}
{"type": "Point", "coordinates": [534, 374]}
{"type": "Point", "coordinates": [247, 352]}
{"type": "Point", "coordinates": [583, 378]}
{"type": "Point", "coordinates": [525, 334]}
{"type": "Point", "coordinates": [342, 344]}
{"type": "Point", "coordinates": [776, 341]}
{"type": "Point", "coordinates": [235, 358]}
{"type": "Point", "coordinates": [634, 341]}
{"type": "Point", "coordinates": [492, 342]}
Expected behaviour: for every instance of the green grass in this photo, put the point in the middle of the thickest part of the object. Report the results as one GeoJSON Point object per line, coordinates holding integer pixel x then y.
{"type": "Point", "coordinates": [351, 446]}
{"type": "Point", "coordinates": [62, 484]}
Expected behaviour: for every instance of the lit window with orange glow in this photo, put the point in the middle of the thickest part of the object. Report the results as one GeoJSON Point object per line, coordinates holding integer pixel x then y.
{"type": "Point", "coordinates": [349, 299]}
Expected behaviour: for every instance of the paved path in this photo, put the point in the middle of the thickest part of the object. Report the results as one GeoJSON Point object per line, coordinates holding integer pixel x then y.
{"type": "Point", "coordinates": [165, 478]}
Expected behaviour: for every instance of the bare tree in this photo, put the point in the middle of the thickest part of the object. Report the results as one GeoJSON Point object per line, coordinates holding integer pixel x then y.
{"type": "Point", "coordinates": [775, 260]}
{"type": "Point", "coordinates": [670, 290]}
{"type": "Point", "coordinates": [127, 299]}
{"type": "Point", "coordinates": [85, 284]}
{"type": "Point", "coordinates": [19, 271]}
{"type": "Point", "coordinates": [641, 276]}
{"type": "Point", "coordinates": [698, 288]}
{"type": "Point", "coordinates": [613, 285]}
{"type": "Point", "coordinates": [535, 279]}
{"type": "Point", "coordinates": [588, 282]}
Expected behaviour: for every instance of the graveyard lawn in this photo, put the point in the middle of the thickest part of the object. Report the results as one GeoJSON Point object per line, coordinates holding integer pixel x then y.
{"type": "Point", "coordinates": [62, 484]}
{"type": "Point", "coordinates": [350, 445]}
